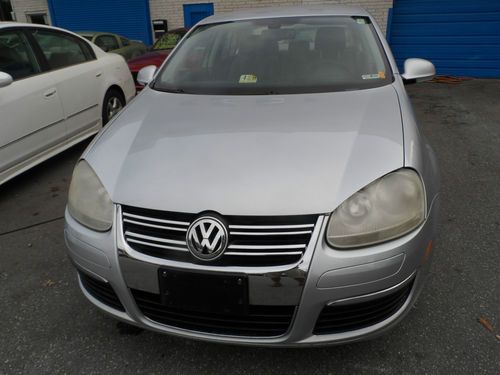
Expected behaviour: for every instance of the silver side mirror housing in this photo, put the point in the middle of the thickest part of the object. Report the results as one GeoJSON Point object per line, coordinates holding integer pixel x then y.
{"type": "Point", "coordinates": [418, 70]}
{"type": "Point", "coordinates": [146, 74]}
{"type": "Point", "coordinates": [5, 79]}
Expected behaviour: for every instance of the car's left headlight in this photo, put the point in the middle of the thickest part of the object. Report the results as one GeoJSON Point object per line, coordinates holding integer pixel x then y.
{"type": "Point", "coordinates": [88, 200]}
{"type": "Point", "coordinates": [386, 209]}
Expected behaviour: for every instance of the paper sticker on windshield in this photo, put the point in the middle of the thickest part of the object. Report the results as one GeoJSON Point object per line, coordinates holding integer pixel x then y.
{"type": "Point", "coordinates": [248, 78]}
{"type": "Point", "coordinates": [379, 75]}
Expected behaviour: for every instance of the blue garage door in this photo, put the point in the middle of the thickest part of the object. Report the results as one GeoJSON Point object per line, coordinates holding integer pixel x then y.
{"type": "Point", "coordinates": [461, 37]}
{"type": "Point", "coordinates": [129, 18]}
{"type": "Point", "coordinates": [193, 13]}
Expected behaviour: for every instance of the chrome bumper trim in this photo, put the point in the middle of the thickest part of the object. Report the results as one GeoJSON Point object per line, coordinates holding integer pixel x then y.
{"type": "Point", "coordinates": [366, 297]}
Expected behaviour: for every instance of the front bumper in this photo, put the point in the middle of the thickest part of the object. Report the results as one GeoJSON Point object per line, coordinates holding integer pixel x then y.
{"type": "Point", "coordinates": [324, 277]}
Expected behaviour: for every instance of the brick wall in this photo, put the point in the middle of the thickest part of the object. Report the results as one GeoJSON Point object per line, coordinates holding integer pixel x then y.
{"type": "Point", "coordinates": [173, 12]}
{"type": "Point", "coordinates": [23, 7]}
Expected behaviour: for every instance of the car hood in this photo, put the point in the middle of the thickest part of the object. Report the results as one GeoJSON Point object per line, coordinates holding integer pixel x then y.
{"type": "Point", "coordinates": [149, 58]}
{"type": "Point", "coordinates": [248, 155]}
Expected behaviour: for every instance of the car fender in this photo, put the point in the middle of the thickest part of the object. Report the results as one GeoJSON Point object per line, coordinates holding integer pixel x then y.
{"type": "Point", "coordinates": [116, 73]}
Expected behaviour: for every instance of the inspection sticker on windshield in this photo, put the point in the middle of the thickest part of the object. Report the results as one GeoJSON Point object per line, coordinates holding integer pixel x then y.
{"type": "Point", "coordinates": [248, 78]}
{"type": "Point", "coordinates": [379, 75]}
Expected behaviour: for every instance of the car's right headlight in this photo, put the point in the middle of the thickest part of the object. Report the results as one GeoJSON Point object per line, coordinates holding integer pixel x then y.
{"type": "Point", "coordinates": [386, 209]}
{"type": "Point", "coordinates": [88, 200]}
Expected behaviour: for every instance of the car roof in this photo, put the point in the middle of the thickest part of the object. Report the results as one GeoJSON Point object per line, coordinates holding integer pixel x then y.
{"type": "Point", "coordinates": [7, 24]}
{"type": "Point", "coordinates": [287, 11]}
{"type": "Point", "coordinates": [178, 30]}
{"type": "Point", "coordinates": [95, 33]}
{"type": "Point", "coordinates": [4, 24]}
{"type": "Point", "coordinates": [87, 32]}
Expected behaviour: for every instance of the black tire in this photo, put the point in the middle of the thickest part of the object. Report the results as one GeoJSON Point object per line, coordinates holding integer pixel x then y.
{"type": "Point", "coordinates": [112, 104]}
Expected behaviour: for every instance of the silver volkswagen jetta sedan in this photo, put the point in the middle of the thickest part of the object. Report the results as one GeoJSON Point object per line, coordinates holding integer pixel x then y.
{"type": "Point", "coordinates": [270, 186]}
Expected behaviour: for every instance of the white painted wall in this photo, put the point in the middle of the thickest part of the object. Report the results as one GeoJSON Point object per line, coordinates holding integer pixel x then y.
{"type": "Point", "coordinates": [22, 8]}
{"type": "Point", "coordinates": [173, 12]}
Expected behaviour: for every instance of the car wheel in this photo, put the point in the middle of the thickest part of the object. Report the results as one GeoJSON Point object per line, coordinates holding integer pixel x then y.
{"type": "Point", "coordinates": [113, 103]}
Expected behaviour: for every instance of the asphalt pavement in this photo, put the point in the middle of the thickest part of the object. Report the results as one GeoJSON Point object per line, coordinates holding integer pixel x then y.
{"type": "Point", "coordinates": [47, 326]}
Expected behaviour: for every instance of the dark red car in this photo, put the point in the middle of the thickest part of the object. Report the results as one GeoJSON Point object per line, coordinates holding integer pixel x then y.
{"type": "Point", "coordinates": [159, 52]}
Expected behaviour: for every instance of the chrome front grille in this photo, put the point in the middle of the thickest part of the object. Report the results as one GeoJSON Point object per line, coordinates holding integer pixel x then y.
{"type": "Point", "coordinates": [137, 225]}
{"type": "Point", "coordinates": [253, 240]}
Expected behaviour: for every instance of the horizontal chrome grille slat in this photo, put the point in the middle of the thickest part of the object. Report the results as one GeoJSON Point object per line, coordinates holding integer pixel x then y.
{"type": "Point", "coordinates": [263, 247]}
{"type": "Point", "coordinates": [156, 219]}
{"type": "Point", "coordinates": [271, 226]}
{"type": "Point", "coordinates": [270, 233]}
{"type": "Point", "coordinates": [155, 226]}
{"type": "Point", "coordinates": [254, 241]}
{"type": "Point", "coordinates": [264, 254]}
{"type": "Point", "coordinates": [157, 245]}
{"type": "Point", "coordinates": [158, 239]}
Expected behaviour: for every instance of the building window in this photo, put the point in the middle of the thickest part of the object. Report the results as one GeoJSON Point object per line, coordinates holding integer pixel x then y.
{"type": "Point", "coordinates": [5, 11]}
{"type": "Point", "coordinates": [38, 18]}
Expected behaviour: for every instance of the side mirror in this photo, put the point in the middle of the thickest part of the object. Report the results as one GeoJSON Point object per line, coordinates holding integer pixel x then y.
{"type": "Point", "coordinates": [418, 70]}
{"type": "Point", "coordinates": [146, 74]}
{"type": "Point", "coordinates": [5, 79]}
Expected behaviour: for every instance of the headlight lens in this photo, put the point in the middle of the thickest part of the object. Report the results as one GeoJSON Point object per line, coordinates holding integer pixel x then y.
{"type": "Point", "coordinates": [88, 200]}
{"type": "Point", "coordinates": [385, 209]}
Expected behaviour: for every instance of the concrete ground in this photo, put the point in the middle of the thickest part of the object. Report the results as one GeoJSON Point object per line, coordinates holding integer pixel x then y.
{"type": "Point", "coordinates": [47, 327]}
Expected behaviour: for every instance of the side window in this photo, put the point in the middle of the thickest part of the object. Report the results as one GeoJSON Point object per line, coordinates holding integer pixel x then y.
{"type": "Point", "coordinates": [87, 50]}
{"type": "Point", "coordinates": [125, 42]}
{"type": "Point", "coordinates": [107, 42]}
{"type": "Point", "coordinates": [60, 50]}
{"type": "Point", "coordinates": [16, 56]}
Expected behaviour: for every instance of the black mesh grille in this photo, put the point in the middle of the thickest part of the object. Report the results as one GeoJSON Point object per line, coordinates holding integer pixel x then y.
{"type": "Point", "coordinates": [253, 240]}
{"type": "Point", "coordinates": [101, 291]}
{"type": "Point", "coordinates": [337, 319]}
{"type": "Point", "coordinates": [260, 321]}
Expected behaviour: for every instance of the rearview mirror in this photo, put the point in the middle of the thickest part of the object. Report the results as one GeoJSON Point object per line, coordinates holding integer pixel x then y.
{"type": "Point", "coordinates": [418, 70]}
{"type": "Point", "coordinates": [5, 79]}
{"type": "Point", "coordinates": [146, 74]}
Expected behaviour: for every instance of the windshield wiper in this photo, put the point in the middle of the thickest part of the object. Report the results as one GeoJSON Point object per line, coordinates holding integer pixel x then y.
{"type": "Point", "coordinates": [175, 90]}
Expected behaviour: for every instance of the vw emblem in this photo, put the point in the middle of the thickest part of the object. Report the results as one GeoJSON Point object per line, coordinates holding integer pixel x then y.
{"type": "Point", "coordinates": [207, 238]}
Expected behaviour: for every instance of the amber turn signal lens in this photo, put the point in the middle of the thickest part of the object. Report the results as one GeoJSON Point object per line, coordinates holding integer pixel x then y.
{"type": "Point", "coordinates": [428, 252]}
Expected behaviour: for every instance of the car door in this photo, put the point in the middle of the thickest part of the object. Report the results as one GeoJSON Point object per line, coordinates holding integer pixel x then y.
{"type": "Point", "coordinates": [31, 115]}
{"type": "Point", "coordinates": [78, 77]}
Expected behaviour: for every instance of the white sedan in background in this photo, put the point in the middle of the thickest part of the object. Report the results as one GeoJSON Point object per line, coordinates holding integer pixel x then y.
{"type": "Point", "coordinates": [56, 89]}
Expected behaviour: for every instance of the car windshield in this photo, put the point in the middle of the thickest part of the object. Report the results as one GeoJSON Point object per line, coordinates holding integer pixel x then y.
{"type": "Point", "coordinates": [288, 55]}
{"type": "Point", "coordinates": [167, 41]}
